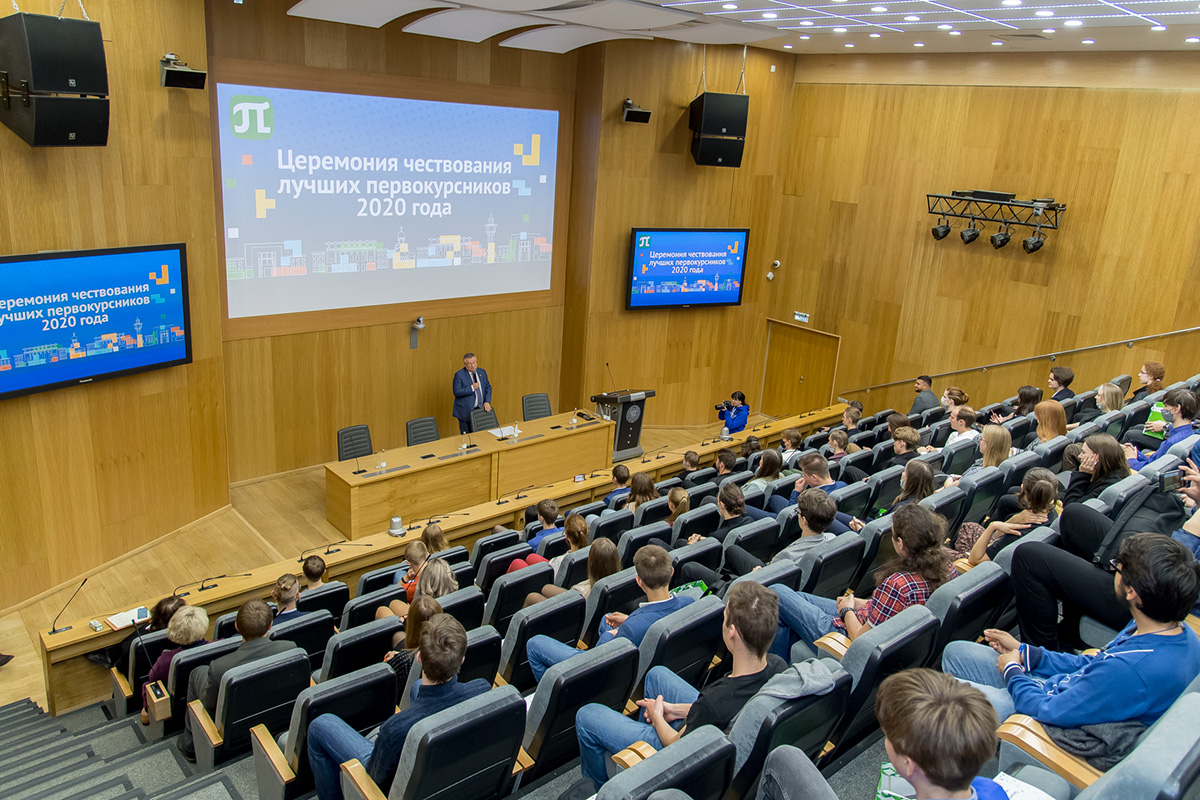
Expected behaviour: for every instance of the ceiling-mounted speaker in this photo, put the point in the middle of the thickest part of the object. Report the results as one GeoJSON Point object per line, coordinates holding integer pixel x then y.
{"type": "Point", "coordinates": [718, 123]}
{"type": "Point", "coordinates": [53, 80]}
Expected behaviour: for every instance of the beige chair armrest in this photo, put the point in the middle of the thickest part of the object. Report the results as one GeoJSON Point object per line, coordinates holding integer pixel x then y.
{"type": "Point", "coordinates": [634, 754]}
{"type": "Point", "coordinates": [963, 566]}
{"type": "Point", "coordinates": [205, 723]}
{"type": "Point", "coordinates": [357, 784]}
{"type": "Point", "coordinates": [157, 708]}
{"type": "Point", "coordinates": [121, 684]}
{"type": "Point", "coordinates": [1025, 732]}
{"type": "Point", "coordinates": [524, 761]}
{"type": "Point", "coordinates": [268, 754]}
{"type": "Point", "coordinates": [836, 644]}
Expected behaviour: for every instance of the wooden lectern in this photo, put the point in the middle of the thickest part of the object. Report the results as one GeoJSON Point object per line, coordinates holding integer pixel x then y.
{"type": "Point", "coordinates": [626, 409]}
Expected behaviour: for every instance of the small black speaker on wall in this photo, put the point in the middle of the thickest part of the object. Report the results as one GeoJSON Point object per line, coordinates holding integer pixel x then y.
{"type": "Point", "coordinates": [718, 123]}
{"type": "Point", "coordinates": [53, 80]}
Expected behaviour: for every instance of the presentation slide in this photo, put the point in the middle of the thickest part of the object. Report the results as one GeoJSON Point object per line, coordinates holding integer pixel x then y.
{"type": "Point", "coordinates": [686, 267]}
{"type": "Point", "coordinates": [67, 318]}
{"type": "Point", "coordinates": [345, 200]}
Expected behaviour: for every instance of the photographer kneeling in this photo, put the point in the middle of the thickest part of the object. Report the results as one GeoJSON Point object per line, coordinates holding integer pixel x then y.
{"type": "Point", "coordinates": [734, 412]}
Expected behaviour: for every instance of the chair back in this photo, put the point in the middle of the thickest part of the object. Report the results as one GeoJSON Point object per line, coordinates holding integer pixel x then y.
{"type": "Point", "coordinates": [353, 649]}
{"type": "Point", "coordinates": [1050, 454]}
{"type": "Point", "coordinates": [758, 538]}
{"type": "Point", "coordinates": [421, 431]}
{"type": "Point", "coordinates": [700, 477]}
{"type": "Point", "coordinates": [144, 650]}
{"type": "Point", "coordinates": [483, 420]}
{"type": "Point", "coordinates": [959, 455]}
{"type": "Point", "coordinates": [491, 543]}
{"type": "Point", "coordinates": [354, 442]}
{"type": "Point", "coordinates": [379, 578]}
{"type": "Point", "coordinates": [482, 659]}
{"type": "Point", "coordinates": [361, 609]}
{"type": "Point", "coordinates": [967, 606]}
{"type": "Point", "coordinates": [259, 693]}
{"type": "Point", "coordinates": [885, 487]}
{"type": "Point", "coordinates": [1119, 493]}
{"type": "Point", "coordinates": [702, 520]}
{"type": "Point", "coordinates": [181, 671]}
{"type": "Point", "coordinates": [224, 627]}
{"type": "Point", "coordinates": [653, 511]}
{"type": "Point", "coordinates": [700, 765]}
{"type": "Point", "coordinates": [1069, 407]}
{"type": "Point", "coordinates": [697, 492]}
{"type": "Point", "coordinates": [853, 499]}
{"type": "Point", "coordinates": [331, 596]}
{"type": "Point", "coordinates": [781, 573]}
{"type": "Point", "coordinates": [535, 406]}
{"type": "Point", "coordinates": [948, 504]}
{"type": "Point", "coordinates": [552, 545]}
{"type": "Point", "coordinates": [310, 632]}
{"type": "Point", "coordinates": [509, 591]}
{"type": "Point", "coordinates": [611, 526]}
{"type": "Point", "coordinates": [881, 453]}
{"type": "Point", "coordinates": [466, 605]}
{"type": "Point", "coordinates": [1082, 431]}
{"type": "Point", "coordinates": [495, 564]}
{"type": "Point", "coordinates": [1014, 468]}
{"type": "Point", "coordinates": [707, 552]}
{"type": "Point", "coordinates": [982, 488]}
{"type": "Point", "coordinates": [1112, 423]}
{"type": "Point", "coordinates": [1137, 414]}
{"type": "Point", "coordinates": [865, 439]}
{"type": "Point", "coordinates": [878, 535]}
{"type": "Point", "coordinates": [667, 485]}
{"type": "Point", "coordinates": [634, 539]}
{"type": "Point", "coordinates": [829, 568]}
{"type": "Point", "coordinates": [932, 415]}
{"type": "Point", "coordinates": [1018, 427]}
{"type": "Point", "coordinates": [939, 432]}
{"type": "Point", "coordinates": [739, 478]}
{"type": "Point", "coordinates": [559, 617]}
{"type": "Point", "coordinates": [1183, 450]}
{"type": "Point", "coordinates": [587, 509]}
{"type": "Point", "coordinates": [683, 641]}
{"type": "Point", "coordinates": [573, 568]}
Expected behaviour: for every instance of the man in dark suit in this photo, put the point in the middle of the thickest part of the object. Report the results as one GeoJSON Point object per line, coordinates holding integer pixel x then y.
{"type": "Point", "coordinates": [253, 622]}
{"type": "Point", "coordinates": [1060, 383]}
{"type": "Point", "coordinates": [472, 390]}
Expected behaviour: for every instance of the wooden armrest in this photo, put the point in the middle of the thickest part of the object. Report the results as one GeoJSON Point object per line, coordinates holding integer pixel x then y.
{"type": "Point", "coordinates": [121, 682]}
{"type": "Point", "coordinates": [1027, 733]}
{"type": "Point", "coordinates": [524, 761]}
{"type": "Point", "coordinates": [363, 785]}
{"type": "Point", "coordinates": [634, 754]}
{"type": "Point", "coordinates": [1193, 622]}
{"type": "Point", "coordinates": [264, 743]}
{"type": "Point", "coordinates": [631, 708]}
{"type": "Point", "coordinates": [207, 726]}
{"type": "Point", "coordinates": [580, 646]}
{"type": "Point", "coordinates": [963, 566]}
{"type": "Point", "coordinates": [836, 644]}
{"type": "Point", "coordinates": [498, 682]}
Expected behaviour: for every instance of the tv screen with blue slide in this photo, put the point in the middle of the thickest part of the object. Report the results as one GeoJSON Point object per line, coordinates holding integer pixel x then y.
{"type": "Point", "coordinates": [682, 267]}
{"type": "Point", "coordinates": [74, 317]}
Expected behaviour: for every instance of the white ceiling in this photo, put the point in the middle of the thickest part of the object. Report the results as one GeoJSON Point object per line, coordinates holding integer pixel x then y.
{"type": "Point", "coordinates": [832, 26]}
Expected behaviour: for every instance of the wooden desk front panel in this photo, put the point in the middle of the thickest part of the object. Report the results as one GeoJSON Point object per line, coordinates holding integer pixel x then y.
{"type": "Point", "coordinates": [545, 461]}
{"type": "Point", "coordinates": [459, 483]}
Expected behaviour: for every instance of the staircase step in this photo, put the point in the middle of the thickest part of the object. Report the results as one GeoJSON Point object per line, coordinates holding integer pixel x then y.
{"type": "Point", "coordinates": [18, 705]}
{"type": "Point", "coordinates": [13, 733]}
{"type": "Point", "coordinates": [84, 718]}
{"type": "Point", "coordinates": [15, 711]}
{"type": "Point", "coordinates": [213, 786]}
{"type": "Point", "coordinates": [150, 769]}
{"type": "Point", "coordinates": [32, 745]}
{"type": "Point", "coordinates": [115, 789]}
{"type": "Point", "coordinates": [55, 766]}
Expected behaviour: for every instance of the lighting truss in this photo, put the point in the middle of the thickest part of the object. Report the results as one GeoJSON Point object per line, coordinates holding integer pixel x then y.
{"type": "Point", "coordinates": [1030, 213]}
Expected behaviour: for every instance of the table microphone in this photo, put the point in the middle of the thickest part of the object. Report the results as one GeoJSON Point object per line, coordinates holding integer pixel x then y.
{"type": "Point", "coordinates": [358, 467]}
{"type": "Point", "coordinates": [439, 517]}
{"type": "Point", "coordinates": [54, 625]}
{"type": "Point", "coordinates": [204, 588]}
{"type": "Point", "coordinates": [646, 458]}
{"type": "Point", "coordinates": [500, 501]}
{"type": "Point", "coordinates": [177, 593]}
{"type": "Point", "coordinates": [610, 377]}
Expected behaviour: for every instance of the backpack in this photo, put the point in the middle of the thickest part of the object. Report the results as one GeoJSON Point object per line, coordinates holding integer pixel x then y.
{"type": "Point", "coordinates": [1150, 510]}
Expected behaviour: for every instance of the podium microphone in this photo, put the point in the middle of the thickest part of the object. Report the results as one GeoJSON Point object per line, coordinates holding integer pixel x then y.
{"type": "Point", "coordinates": [54, 625]}
{"type": "Point", "coordinates": [610, 377]}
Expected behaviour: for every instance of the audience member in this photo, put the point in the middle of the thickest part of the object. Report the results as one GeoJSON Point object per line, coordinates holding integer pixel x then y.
{"type": "Point", "coordinates": [724, 462]}
{"type": "Point", "coordinates": [839, 446]}
{"type": "Point", "coordinates": [160, 617]}
{"type": "Point", "coordinates": [1150, 378]}
{"type": "Point", "coordinates": [1051, 423]}
{"type": "Point", "coordinates": [925, 398]}
{"type": "Point", "coordinates": [285, 594]}
{"type": "Point", "coordinates": [952, 398]}
{"type": "Point", "coordinates": [253, 622]}
{"type": "Point", "coordinates": [417, 556]}
{"type": "Point", "coordinates": [671, 706]}
{"type": "Point", "coordinates": [186, 629]}
{"type": "Point", "coordinates": [916, 483]}
{"type": "Point", "coordinates": [920, 566]}
{"type": "Point", "coordinates": [421, 611]}
{"type": "Point", "coordinates": [1027, 399]}
{"type": "Point", "coordinates": [731, 506]}
{"type": "Point", "coordinates": [1179, 409]}
{"type": "Point", "coordinates": [750, 446]}
{"type": "Point", "coordinates": [770, 464]}
{"type": "Point", "coordinates": [548, 515]}
{"type": "Point", "coordinates": [962, 427]}
{"type": "Point", "coordinates": [814, 474]}
{"type": "Point", "coordinates": [602, 561]}
{"type": "Point", "coordinates": [1102, 463]}
{"type": "Point", "coordinates": [1036, 502]}
{"type": "Point", "coordinates": [435, 580]}
{"type": "Point", "coordinates": [850, 419]}
{"type": "Point", "coordinates": [1060, 382]}
{"type": "Point", "coordinates": [314, 573]}
{"type": "Point", "coordinates": [735, 413]}
{"type": "Point", "coordinates": [641, 490]}
{"type": "Point", "coordinates": [331, 741]}
{"type": "Point", "coordinates": [938, 734]}
{"type": "Point", "coordinates": [433, 539]}
{"type": "Point", "coordinates": [620, 480]}
{"type": "Point", "coordinates": [904, 445]}
{"type": "Point", "coordinates": [653, 566]}
{"type": "Point", "coordinates": [678, 502]}
{"type": "Point", "coordinates": [575, 531]}
{"type": "Point", "coordinates": [1108, 399]}
{"type": "Point", "coordinates": [792, 441]}
{"type": "Point", "coordinates": [895, 422]}
{"type": "Point", "coordinates": [691, 463]}
{"type": "Point", "coordinates": [995, 445]}
{"type": "Point", "coordinates": [1134, 678]}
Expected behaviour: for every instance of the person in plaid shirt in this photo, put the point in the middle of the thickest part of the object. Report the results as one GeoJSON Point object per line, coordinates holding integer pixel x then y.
{"type": "Point", "coordinates": [920, 566]}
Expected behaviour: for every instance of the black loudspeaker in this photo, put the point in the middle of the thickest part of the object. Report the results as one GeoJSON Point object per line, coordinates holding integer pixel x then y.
{"type": "Point", "coordinates": [717, 151]}
{"type": "Point", "coordinates": [716, 114]}
{"type": "Point", "coordinates": [53, 81]}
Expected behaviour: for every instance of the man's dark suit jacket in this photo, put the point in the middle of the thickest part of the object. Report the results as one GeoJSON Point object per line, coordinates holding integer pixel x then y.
{"type": "Point", "coordinates": [464, 395]}
{"type": "Point", "coordinates": [251, 650]}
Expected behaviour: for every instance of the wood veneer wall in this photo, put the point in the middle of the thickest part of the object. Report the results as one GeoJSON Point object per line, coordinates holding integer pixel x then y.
{"type": "Point", "coordinates": [92, 472]}
{"type": "Point", "coordinates": [289, 394]}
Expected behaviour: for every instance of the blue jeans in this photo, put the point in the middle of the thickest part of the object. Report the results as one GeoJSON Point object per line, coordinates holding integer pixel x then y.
{"type": "Point", "coordinates": [802, 617]}
{"type": "Point", "coordinates": [544, 652]}
{"type": "Point", "coordinates": [603, 732]}
{"type": "Point", "coordinates": [758, 513]}
{"type": "Point", "coordinates": [975, 665]}
{"type": "Point", "coordinates": [331, 742]}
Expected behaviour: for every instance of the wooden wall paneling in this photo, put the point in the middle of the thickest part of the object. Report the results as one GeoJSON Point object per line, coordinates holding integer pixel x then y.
{"type": "Point", "coordinates": [93, 472]}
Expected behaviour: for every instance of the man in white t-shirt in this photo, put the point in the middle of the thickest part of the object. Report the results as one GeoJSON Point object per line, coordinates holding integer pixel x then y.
{"type": "Point", "coordinates": [962, 426]}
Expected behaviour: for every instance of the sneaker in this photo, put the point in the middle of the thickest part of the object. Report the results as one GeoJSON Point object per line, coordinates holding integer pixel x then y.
{"type": "Point", "coordinates": [581, 789]}
{"type": "Point", "coordinates": [4, 659]}
{"type": "Point", "coordinates": [99, 658]}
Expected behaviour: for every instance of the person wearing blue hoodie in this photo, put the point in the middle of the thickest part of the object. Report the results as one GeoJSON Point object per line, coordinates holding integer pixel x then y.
{"type": "Point", "coordinates": [1134, 678]}
{"type": "Point", "coordinates": [734, 412]}
{"type": "Point", "coordinates": [1181, 406]}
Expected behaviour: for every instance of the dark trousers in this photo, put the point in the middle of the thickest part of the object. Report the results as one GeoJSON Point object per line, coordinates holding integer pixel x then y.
{"type": "Point", "coordinates": [737, 562]}
{"type": "Point", "coordinates": [196, 681]}
{"type": "Point", "coordinates": [464, 426]}
{"type": "Point", "coordinates": [1140, 440]}
{"type": "Point", "coordinates": [1042, 576]}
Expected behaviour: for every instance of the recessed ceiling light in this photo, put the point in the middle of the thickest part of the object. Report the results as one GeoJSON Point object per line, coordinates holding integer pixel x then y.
{"type": "Point", "coordinates": [997, 44]}
{"type": "Point", "coordinates": [879, 9]}
{"type": "Point", "coordinates": [1045, 12]}
{"type": "Point", "coordinates": [912, 18]}
{"type": "Point", "coordinates": [875, 35]}
{"type": "Point", "coordinates": [1073, 23]}
{"type": "Point", "coordinates": [1088, 41]}
{"type": "Point", "coordinates": [918, 44]}
{"type": "Point", "coordinates": [956, 33]}
{"type": "Point", "coordinates": [787, 47]}
{"type": "Point", "coordinates": [769, 15]}
{"type": "Point", "coordinates": [1049, 30]}
{"type": "Point", "coordinates": [806, 22]}
{"type": "Point", "coordinates": [848, 44]}
{"type": "Point", "coordinates": [729, 6]}
{"type": "Point", "coordinates": [944, 27]}
{"type": "Point", "coordinates": [802, 36]}
{"type": "Point", "coordinates": [1159, 28]}
{"type": "Point", "coordinates": [1192, 40]}
{"type": "Point", "coordinates": [1010, 2]}
{"type": "Point", "coordinates": [839, 30]}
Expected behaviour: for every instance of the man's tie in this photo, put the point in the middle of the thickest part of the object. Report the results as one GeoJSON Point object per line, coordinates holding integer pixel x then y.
{"type": "Point", "coordinates": [478, 391]}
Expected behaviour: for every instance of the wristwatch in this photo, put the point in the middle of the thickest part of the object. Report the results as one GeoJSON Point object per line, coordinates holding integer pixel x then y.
{"type": "Point", "coordinates": [843, 612]}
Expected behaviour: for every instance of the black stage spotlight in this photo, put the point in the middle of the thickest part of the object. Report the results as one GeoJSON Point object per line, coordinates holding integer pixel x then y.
{"type": "Point", "coordinates": [1033, 243]}
{"type": "Point", "coordinates": [1001, 238]}
{"type": "Point", "coordinates": [941, 230]}
{"type": "Point", "coordinates": [969, 233]}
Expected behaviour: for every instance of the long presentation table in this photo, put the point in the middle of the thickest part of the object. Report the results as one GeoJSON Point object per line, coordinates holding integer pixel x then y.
{"type": "Point", "coordinates": [72, 681]}
{"type": "Point", "coordinates": [428, 479]}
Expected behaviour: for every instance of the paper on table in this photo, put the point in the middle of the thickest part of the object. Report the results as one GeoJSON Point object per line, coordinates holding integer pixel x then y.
{"type": "Point", "coordinates": [1017, 789]}
{"type": "Point", "coordinates": [507, 430]}
{"type": "Point", "coordinates": [126, 618]}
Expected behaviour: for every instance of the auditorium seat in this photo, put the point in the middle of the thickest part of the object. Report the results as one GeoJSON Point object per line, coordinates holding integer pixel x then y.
{"type": "Point", "coordinates": [1112, 423]}
{"type": "Point", "coordinates": [331, 596]}
{"type": "Point", "coordinates": [588, 508]}
{"type": "Point", "coordinates": [259, 693]}
{"type": "Point", "coordinates": [1159, 467]}
{"type": "Point", "coordinates": [509, 591]}
{"type": "Point", "coordinates": [1014, 468]}
{"type": "Point", "coordinates": [758, 538]}
{"type": "Point", "coordinates": [1135, 414]}
{"type": "Point", "coordinates": [535, 406]}
{"type": "Point", "coordinates": [1007, 617]}
{"type": "Point", "coordinates": [788, 522]}
{"type": "Point", "coordinates": [789, 774]}
{"type": "Point", "coordinates": [555, 544]}
{"type": "Point", "coordinates": [853, 499]}
{"type": "Point", "coordinates": [617, 502]}
{"type": "Point", "coordinates": [1183, 450]}
{"type": "Point", "coordinates": [143, 651]}
{"type": "Point", "coordinates": [492, 542]}
{"type": "Point", "coordinates": [755, 497]}
{"type": "Point", "coordinates": [948, 504]}
{"type": "Point", "coordinates": [616, 592]}
{"type": "Point", "coordinates": [363, 699]}
{"type": "Point", "coordinates": [932, 415]}
{"type": "Point", "coordinates": [1082, 431]}
{"type": "Point", "coordinates": [379, 578]}
{"type": "Point", "coordinates": [559, 617]}
{"type": "Point", "coordinates": [897, 644]}
{"type": "Point", "coordinates": [653, 511]}
{"type": "Point", "coordinates": [700, 765]}
{"type": "Point", "coordinates": [984, 415]}
{"type": "Point", "coordinates": [1069, 405]}
{"type": "Point", "coordinates": [781, 573]}
{"type": "Point", "coordinates": [465, 605]}
{"type": "Point", "coordinates": [495, 564]}
{"type": "Point", "coordinates": [885, 485]}
{"type": "Point", "coordinates": [829, 568]}
{"type": "Point", "coordinates": [865, 439]}
{"type": "Point", "coordinates": [697, 492]}
{"type": "Point", "coordinates": [967, 606]}
{"type": "Point", "coordinates": [463, 572]}
{"type": "Point", "coordinates": [602, 675]}
{"type": "Point", "coordinates": [634, 539]}
{"type": "Point", "coordinates": [853, 468]}
{"type": "Point", "coordinates": [816, 440]}
{"type": "Point", "coordinates": [1085, 400]}
{"type": "Point", "coordinates": [683, 641]}
{"type": "Point", "coordinates": [481, 661]}
{"type": "Point", "coordinates": [350, 650]}
{"type": "Point", "coordinates": [361, 609]}
{"type": "Point", "coordinates": [466, 752]}
{"type": "Point", "coordinates": [700, 476]}
{"type": "Point", "coordinates": [881, 454]}
{"type": "Point", "coordinates": [1115, 496]}
{"type": "Point", "coordinates": [311, 632]}
{"type": "Point", "coordinates": [453, 555]}
{"type": "Point", "coordinates": [421, 431]}
{"type": "Point", "coordinates": [611, 526]}
{"type": "Point", "coordinates": [939, 433]}
{"type": "Point", "coordinates": [1050, 454]}
{"type": "Point", "coordinates": [706, 552]}
{"type": "Point", "coordinates": [702, 520]}
{"type": "Point", "coordinates": [981, 489]}
{"type": "Point", "coordinates": [783, 487]}
{"type": "Point", "coordinates": [573, 568]}
{"type": "Point", "coordinates": [177, 681]}
{"type": "Point", "coordinates": [483, 420]}
{"type": "Point", "coordinates": [878, 535]}
{"type": "Point", "coordinates": [354, 442]}
{"type": "Point", "coordinates": [752, 461]}
{"type": "Point", "coordinates": [958, 456]}
{"type": "Point", "coordinates": [1018, 428]}
{"type": "Point", "coordinates": [224, 627]}
{"type": "Point", "coordinates": [739, 478]}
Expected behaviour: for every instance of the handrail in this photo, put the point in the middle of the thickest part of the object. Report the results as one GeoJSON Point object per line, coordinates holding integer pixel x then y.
{"type": "Point", "coordinates": [1052, 356]}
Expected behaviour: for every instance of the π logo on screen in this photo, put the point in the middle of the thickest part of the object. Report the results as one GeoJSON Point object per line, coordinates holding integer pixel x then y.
{"type": "Point", "coordinates": [251, 117]}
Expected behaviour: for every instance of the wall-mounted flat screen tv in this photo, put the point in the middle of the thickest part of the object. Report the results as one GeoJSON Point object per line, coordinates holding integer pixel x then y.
{"type": "Point", "coordinates": [686, 267]}
{"type": "Point", "coordinates": [75, 317]}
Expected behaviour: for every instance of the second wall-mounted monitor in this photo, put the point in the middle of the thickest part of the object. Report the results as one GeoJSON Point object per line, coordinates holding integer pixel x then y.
{"type": "Point", "coordinates": [686, 267]}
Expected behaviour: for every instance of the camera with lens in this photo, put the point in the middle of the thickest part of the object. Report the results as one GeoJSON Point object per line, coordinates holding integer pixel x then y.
{"type": "Point", "coordinates": [726, 406]}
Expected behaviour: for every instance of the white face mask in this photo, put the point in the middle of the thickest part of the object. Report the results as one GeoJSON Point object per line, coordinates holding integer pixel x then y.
{"type": "Point", "coordinates": [945, 402]}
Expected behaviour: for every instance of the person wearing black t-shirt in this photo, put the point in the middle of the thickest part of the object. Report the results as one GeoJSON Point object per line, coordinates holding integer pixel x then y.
{"type": "Point", "coordinates": [672, 707]}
